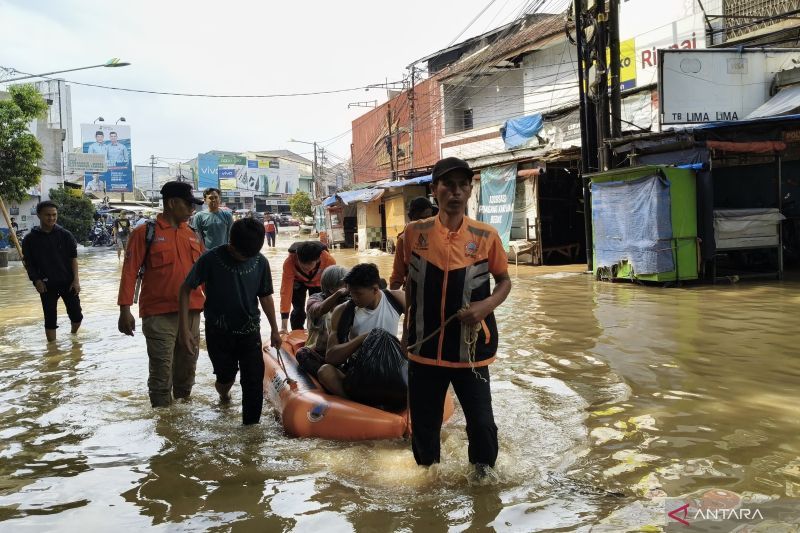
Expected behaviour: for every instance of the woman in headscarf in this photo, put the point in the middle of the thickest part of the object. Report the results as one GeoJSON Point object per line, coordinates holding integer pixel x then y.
{"type": "Point", "coordinates": [319, 310]}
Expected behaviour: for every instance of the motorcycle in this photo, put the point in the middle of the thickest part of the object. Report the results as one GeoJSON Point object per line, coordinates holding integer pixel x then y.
{"type": "Point", "coordinates": [100, 236]}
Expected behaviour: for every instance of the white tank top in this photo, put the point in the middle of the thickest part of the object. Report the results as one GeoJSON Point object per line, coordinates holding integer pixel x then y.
{"type": "Point", "coordinates": [384, 317]}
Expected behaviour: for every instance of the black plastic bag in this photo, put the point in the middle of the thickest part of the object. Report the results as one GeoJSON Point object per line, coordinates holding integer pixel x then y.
{"type": "Point", "coordinates": [377, 374]}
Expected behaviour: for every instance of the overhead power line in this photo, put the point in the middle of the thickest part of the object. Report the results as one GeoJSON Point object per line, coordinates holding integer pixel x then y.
{"type": "Point", "coordinates": [203, 95]}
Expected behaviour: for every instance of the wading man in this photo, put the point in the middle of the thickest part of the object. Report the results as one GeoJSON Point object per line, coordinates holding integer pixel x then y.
{"type": "Point", "coordinates": [450, 258]}
{"type": "Point", "coordinates": [51, 259]}
{"type": "Point", "coordinates": [237, 279]}
{"type": "Point", "coordinates": [166, 250]}
{"type": "Point", "coordinates": [214, 225]}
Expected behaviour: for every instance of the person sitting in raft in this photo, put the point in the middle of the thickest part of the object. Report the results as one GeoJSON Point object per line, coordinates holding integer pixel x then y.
{"type": "Point", "coordinates": [319, 310]}
{"type": "Point", "coordinates": [302, 270]}
{"type": "Point", "coordinates": [364, 361]}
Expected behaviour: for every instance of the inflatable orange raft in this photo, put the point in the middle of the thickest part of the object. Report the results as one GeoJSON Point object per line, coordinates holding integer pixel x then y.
{"type": "Point", "coordinates": [307, 410]}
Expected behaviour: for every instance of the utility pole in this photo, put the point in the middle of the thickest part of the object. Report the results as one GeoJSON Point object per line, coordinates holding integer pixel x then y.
{"type": "Point", "coordinates": [320, 186]}
{"type": "Point", "coordinates": [411, 98]}
{"type": "Point", "coordinates": [588, 119]}
{"type": "Point", "coordinates": [315, 171]}
{"type": "Point", "coordinates": [152, 176]}
{"type": "Point", "coordinates": [613, 46]}
{"type": "Point", "coordinates": [601, 81]}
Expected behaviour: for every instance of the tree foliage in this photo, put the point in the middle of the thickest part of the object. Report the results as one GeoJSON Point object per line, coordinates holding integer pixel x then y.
{"type": "Point", "coordinates": [74, 213]}
{"type": "Point", "coordinates": [300, 205]}
{"type": "Point", "coordinates": [20, 151]}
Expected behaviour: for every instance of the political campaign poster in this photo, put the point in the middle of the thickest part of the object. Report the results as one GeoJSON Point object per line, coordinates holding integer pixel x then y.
{"type": "Point", "coordinates": [114, 143]}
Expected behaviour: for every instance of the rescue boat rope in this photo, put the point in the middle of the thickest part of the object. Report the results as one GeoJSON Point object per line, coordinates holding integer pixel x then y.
{"type": "Point", "coordinates": [469, 335]}
{"type": "Point", "coordinates": [289, 381]}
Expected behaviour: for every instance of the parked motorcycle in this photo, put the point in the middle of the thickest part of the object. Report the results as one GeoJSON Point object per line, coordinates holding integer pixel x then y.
{"type": "Point", "coordinates": [100, 235]}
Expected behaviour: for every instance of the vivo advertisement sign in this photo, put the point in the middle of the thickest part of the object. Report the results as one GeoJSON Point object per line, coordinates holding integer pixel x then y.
{"type": "Point", "coordinates": [207, 171]}
{"type": "Point", "coordinates": [114, 144]}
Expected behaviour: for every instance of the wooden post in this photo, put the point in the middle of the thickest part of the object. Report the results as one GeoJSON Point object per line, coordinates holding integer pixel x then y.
{"type": "Point", "coordinates": [11, 231]}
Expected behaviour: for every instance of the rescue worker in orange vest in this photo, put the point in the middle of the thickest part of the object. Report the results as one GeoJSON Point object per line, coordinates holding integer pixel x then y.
{"type": "Point", "coordinates": [302, 271]}
{"type": "Point", "coordinates": [167, 259]}
{"type": "Point", "coordinates": [450, 259]}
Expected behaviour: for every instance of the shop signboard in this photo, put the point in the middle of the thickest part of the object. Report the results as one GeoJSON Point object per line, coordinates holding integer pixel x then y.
{"type": "Point", "coordinates": [699, 86]}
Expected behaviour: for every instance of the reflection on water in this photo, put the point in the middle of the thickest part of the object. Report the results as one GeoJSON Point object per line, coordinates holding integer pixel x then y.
{"type": "Point", "coordinates": [608, 397]}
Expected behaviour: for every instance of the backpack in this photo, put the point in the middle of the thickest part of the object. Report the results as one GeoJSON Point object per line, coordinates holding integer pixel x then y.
{"type": "Point", "coordinates": [349, 315]}
{"type": "Point", "coordinates": [149, 235]}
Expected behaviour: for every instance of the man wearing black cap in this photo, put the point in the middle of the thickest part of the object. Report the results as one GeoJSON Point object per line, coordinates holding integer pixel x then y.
{"type": "Point", "coordinates": [160, 255]}
{"type": "Point", "coordinates": [450, 258]}
{"type": "Point", "coordinates": [419, 208]}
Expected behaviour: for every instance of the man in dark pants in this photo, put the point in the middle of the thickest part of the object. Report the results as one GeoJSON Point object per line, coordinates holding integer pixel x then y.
{"type": "Point", "coordinates": [236, 278]}
{"type": "Point", "coordinates": [51, 259]}
{"type": "Point", "coordinates": [302, 271]}
{"type": "Point", "coordinates": [449, 260]}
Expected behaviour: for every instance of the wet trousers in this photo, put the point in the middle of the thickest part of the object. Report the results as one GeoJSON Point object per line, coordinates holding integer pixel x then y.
{"type": "Point", "coordinates": [427, 387]}
{"type": "Point", "coordinates": [271, 239]}
{"type": "Point", "coordinates": [298, 317]}
{"type": "Point", "coordinates": [230, 354]}
{"type": "Point", "coordinates": [50, 304]}
{"type": "Point", "coordinates": [172, 367]}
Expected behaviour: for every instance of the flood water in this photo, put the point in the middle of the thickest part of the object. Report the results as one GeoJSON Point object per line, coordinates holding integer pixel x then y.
{"type": "Point", "coordinates": [608, 397]}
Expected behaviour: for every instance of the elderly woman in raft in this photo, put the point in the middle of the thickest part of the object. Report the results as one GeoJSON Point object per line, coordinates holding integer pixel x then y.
{"type": "Point", "coordinates": [319, 309]}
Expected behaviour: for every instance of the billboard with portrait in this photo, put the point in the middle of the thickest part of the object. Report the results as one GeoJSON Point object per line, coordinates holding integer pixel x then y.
{"type": "Point", "coordinates": [114, 143]}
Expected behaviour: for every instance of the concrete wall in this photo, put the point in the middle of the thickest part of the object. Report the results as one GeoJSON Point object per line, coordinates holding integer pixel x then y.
{"type": "Point", "coordinates": [550, 78]}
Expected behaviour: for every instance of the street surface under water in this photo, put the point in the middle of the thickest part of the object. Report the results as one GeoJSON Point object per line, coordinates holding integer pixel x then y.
{"type": "Point", "coordinates": [608, 397]}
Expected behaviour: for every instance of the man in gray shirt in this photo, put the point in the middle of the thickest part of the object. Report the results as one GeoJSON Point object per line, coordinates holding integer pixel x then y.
{"type": "Point", "coordinates": [213, 226]}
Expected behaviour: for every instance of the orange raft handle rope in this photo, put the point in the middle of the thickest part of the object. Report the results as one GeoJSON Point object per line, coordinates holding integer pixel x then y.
{"type": "Point", "coordinates": [289, 381]}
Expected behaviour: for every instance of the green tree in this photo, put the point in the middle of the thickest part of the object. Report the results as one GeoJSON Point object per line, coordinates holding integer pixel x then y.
{"type": "Point", "coordinates": [74, 213]}
{"type": "Point", "coordinates": [300, 204]}
{"type": "Point", "coordinates": [20, 151]}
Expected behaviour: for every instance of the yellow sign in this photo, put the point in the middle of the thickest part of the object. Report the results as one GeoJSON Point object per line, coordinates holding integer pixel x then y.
{"type": "Point", "coordinates": [627, 64]}
{"type": "Point", "coordinates": [227, 184]}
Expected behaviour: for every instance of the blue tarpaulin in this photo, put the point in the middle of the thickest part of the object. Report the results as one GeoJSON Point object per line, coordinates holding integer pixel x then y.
{"type": "Point", "coordinates": [518, 131]}
{"type": "Point", "coordinates": [420, 180]}
{"type": "Point", "coordinates": [349, 197]}
{"type": "Point", "coordinates": [633, 222]}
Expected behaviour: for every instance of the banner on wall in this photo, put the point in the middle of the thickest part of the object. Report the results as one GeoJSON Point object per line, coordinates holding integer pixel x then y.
{"type": "Point", "coordinates": [498, 188]}
{"type": "Point", "coordinates": [113, 143]}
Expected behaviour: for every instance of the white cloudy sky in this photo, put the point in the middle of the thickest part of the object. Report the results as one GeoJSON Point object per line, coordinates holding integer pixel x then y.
{"type": "Point", "coordinates": [232, 47]}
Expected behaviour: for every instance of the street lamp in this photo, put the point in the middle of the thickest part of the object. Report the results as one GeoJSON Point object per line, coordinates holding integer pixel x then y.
{"type": "Point", "coordinates": [114, 62]}
{"type": "Point", "coordinates": [120, 119]}
{"type": "Point", "coordinates": [98, 119]}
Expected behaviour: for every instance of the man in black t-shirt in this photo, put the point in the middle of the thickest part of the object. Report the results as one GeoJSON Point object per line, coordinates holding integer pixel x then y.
{"type": "Point", "coordinates": [121, 230]}
{"type": "Point", "coordinates": [237, 279]}
{"type": "Point", "coordinates": [51, 259]}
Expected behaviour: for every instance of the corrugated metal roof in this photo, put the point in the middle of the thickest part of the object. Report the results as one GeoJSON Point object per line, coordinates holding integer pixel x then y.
{"type": "Point", "coordinates": [533, 36]}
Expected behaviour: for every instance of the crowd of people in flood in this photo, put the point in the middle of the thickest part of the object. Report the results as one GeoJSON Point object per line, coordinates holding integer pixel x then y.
{"type": "Point", "coordinates": [439, 297]}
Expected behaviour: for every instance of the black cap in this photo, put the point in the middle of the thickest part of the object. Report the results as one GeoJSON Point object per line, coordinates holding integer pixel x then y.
{"type": "Point", "coordinates": [179, 189]}
{"type": "Point", "coordinates": [451, 164]}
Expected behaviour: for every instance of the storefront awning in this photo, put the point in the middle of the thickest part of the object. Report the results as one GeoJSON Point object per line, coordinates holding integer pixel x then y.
{"type": "Point", "coordinates": [786, 101]}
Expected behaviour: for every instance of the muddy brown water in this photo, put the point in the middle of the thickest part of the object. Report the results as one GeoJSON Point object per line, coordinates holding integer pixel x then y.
{"type": "Point", "coordinates": [608, 397]}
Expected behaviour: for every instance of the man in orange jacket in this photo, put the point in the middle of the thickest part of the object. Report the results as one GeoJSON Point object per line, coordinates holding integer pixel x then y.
{"type": "Point", "coordinates": [302, 271]}
{"type": "Point", "coordinates": [450, 259]}
{"type": "Point", "coordinates": [167, 260]}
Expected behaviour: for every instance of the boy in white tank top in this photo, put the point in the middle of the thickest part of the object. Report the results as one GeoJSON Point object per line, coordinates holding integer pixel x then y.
{"type": "Point", "coordinates": [371, 311]}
